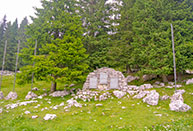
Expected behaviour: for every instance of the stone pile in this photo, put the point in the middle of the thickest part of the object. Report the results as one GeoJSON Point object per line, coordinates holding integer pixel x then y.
{"type": "Point", "coordinates": [7, 73]}
{"type": "Point", "coordinates": [11, 95]}
{"type": "Point", "coordinates": [105, 79]}
{"type": "Point", "coordinates": [12, 106]}
{"type": "Point", "coordinates": [141, 94]}
{"type": "Point", "coordinates": [1, 95]}
{"type": "Point", "coordinates": [49, 116]}
{"type": "Point", "coordinates": [30, 95]}
{"type": "Point", "coordinates": [119, 94]}
{"type": "Point", "coordinates": [71, 103]}
{"type": "Point", "coordinates": [60, 93]}
{"type": "Point", "coordinates": [177, 102]}
{"type": "Point", "coordinates": [152, 98]}
{"type": "Point", "coordinates": [190, 81]}
{"type": "Point", "coordinates": [165, 97]}
{"type": "Point", "coordinates": [104, 96]}
{"type": "Point", "coordinates": [86, 95]}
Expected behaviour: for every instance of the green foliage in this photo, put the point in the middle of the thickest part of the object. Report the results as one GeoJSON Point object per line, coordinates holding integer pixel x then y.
{"type": "Point", "coordinates": [60, 53]}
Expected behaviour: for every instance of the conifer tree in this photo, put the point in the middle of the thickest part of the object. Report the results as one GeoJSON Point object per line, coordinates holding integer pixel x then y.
{"type": "Point", "coordinates": [60, 55]}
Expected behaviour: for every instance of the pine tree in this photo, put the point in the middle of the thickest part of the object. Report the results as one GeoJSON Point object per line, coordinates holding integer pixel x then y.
{"type": "Point", "coordinates": [61, 55]}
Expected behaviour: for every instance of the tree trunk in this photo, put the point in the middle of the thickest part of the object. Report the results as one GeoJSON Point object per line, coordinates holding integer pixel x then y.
{"type": "Point", "coordinates": [179, 76]}
{"type": "Point", "coordinates": [53, 87]}
{"type": "Point", "coordinates": [128, 69]}
{"type": "Point", "coordinates": [164, 78]}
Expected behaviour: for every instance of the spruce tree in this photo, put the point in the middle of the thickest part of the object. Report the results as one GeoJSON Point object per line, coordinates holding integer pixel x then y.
{"type": "Point", "coordinates": [60, 55]}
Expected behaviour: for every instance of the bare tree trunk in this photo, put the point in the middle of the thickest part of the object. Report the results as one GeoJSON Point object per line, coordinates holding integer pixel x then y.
{"type": "Point", "coordinates": [164, 78]}
{"type": "Point", "coordinates": [128, 69]}
{"type": "Point", "coordinates": [53, 87]}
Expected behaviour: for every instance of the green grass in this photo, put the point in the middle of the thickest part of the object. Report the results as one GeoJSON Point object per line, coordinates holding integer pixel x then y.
{"type": "Point", "coordinates": [111, 116]}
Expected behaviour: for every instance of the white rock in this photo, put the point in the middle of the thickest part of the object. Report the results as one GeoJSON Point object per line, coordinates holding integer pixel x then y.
{"type": "Point", "coordinates": [123, 107]}
{"type": "Point", "coordinates": [152, 98]}
{"type": "Point", "coordinates": [179, 105]}
{"type": "Point", "coordinates": [49, 116]}
{"type": "Point", "coordinates": [180, 91]}
{"type": "Point", "coordinates": [62, 104]}
{"type": "Point", "coordinates": [99, 105]}
{"type": "Point", "coordinates": [40, 97]}
{"type": "Point", "coordinates": [176, 96]}
{"type": "Point", "coordinates": [1, 110]}
{"type": "Point", "coordinates": [34, 117]}
{"type": "Point", "coordinates": [30, 95]}
{"type": "Point", "coordinates": [27, 112]}
{"type": "Point", "coordinates": [60, 93]}
{"type": "Point", "coordinates": [145, 86]}
{"type": "Point", "coordinates": [141, 94]}
{"type": "Point", "coordinates": [119, 94]}
{"type": "Point", "coordinates": [132, 92]}
{"type": "Point", "coordinates": [190, 81]}
{"type": "Point", "coordinates": [165, 97]}
{"type": "Point", "coordinates": [11, 95]}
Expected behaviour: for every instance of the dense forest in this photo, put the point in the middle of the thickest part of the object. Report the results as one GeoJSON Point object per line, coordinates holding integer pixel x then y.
{"type": "Point", "coordinates": [75, 37]}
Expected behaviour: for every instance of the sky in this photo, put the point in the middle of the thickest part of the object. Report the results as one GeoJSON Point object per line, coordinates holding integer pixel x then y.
{"type": "Point", "coordinates": [18, 9]}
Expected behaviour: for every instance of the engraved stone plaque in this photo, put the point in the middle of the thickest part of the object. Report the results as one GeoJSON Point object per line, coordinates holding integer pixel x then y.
{"type": "Point", "coordinates": [93, 83]}
{"type": "Point", "coordinates": [114, 83]}
{"type": "Point", "coordinates": [103, 78]}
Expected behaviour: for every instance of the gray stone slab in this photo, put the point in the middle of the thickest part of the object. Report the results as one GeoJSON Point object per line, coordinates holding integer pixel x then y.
{"type": "Point", "coordinates": [114, 83]}
{"type": "Point", "coordinates": [103, 78]}
{"type": "Point", "coordinates": [93, 83]}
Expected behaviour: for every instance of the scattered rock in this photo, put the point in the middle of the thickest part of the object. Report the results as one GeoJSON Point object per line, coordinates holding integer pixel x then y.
{"type": "Point", "coordinates": [152, 98]}
{"type": "Point", "coordinates": [11, 95]}
{"type": "Point", "coordinates": [176, 96]}
{"type": "Point", "coordinates": [27, 112]}
{"type": "Point", "coordinates": [71, 103]}
{"type": "Point", "coordinates": [104, 96]}
{"type": "Point", "coordinates": [179, 105]}
{"type": "Point", "coordinates": [180, 91]}
{"type": "Point", "coordinates": [6, 73]}
{"type": "Point", "coordinates": [30, 95]}
{"type": "Point", "coordinates": [35, 89]}
{"type": "Point", "coordinates": [98, 105]}
{"type": "Point", "coordinates": [190, 81]}
{"type": "Point", "coordinates": [132, 92]}
{"type": "Point", "coordinates": [148, 77]}
{"type": "Point", "coordinates": [130, 78]}
{"type": "Point", "coordinates": [60, 93]}
{"type": "Point", "coordinates": [132, 87]}
{"type": "Point", "coordinates": [145, 86]}
{"type": "Point", "coordinates": [141, 94]}
{"type": "Point", "coordinates": [165, 97]}
{"type": "Point", "coordinates": [1, 95]}
{"type": "Point", "coordinates": [49, 116]}
{"type": "Point", "coordinates": [34, 117]}
{"type": "Point", "coordinates": [119, 94]}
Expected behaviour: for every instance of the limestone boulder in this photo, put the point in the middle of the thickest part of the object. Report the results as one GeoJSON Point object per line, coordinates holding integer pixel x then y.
{"type": "Point", "coordinates": [152, 98]}
{"type": "Point", "coordinates": [179, 106]}
{"type": "Point", "coordinates": [119, 94]}
{"type": "Point", "coordinates": [11, 95]}
{"type": "Point", "coordinates": [30, 95]}
{"type": "Point", "coordinates": [141, 94]}
{"type": "Point", "coordinates": [190, 81]}
{"type": "Point", "coordinates": [49, 116]}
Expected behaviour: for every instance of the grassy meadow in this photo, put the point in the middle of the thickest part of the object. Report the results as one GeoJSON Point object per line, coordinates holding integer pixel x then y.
{"type": "Point", "coordinates": [135, 115]}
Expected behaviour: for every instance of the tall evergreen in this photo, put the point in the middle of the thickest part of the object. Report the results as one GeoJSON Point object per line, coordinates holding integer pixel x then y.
{"type": "Point", "coordinates": [60, 54]}
{"type": "Point", "coordinates": [97, 24]}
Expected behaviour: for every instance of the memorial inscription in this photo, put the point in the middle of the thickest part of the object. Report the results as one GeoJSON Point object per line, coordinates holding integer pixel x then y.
{"type": "Point", "coordinates": [93, 83]}
{"type": "Point", "coordinates": [103, 78]}
{"type": "Point", "coordinates": [114, 83]}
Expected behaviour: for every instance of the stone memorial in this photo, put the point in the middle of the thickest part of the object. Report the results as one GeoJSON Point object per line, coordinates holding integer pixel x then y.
{"type": "Point", "coordinates": [105, 79]}
{"type": "Point", "coordinates": [114, 83]}
{"type": "Point", "coordinates": [93, 82]}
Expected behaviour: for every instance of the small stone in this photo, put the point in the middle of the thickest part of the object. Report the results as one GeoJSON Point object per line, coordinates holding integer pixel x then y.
{"type": "Point", "coordinates": [34, 117]}
{"type": "Point", "coordinates": [98, 105]}
{"type": "Point", "coordinates": [158, 115]}
{"type": "Point", "coordinates": [27, 112]}
{"type": "Point", "coordinates": [121, 118]}
{"type": "Point", "coordinates": [40, 97]}
{"type": "Point", "coordinates": [49, 116]}
{"type": "Point", "coordinates": [30, 95]}
{"type": "Point", "coordinates": [123, 107]}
